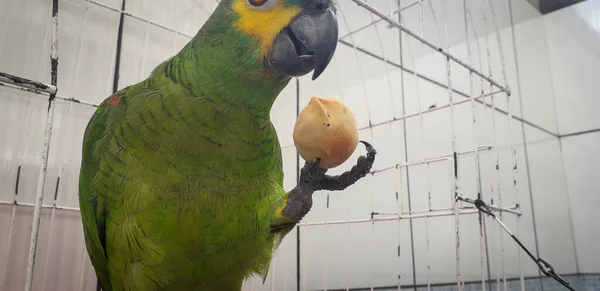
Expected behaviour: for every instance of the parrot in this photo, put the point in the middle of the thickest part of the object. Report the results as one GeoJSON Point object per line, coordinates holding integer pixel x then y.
{"type": "Point", "coordinates": [181, 180]}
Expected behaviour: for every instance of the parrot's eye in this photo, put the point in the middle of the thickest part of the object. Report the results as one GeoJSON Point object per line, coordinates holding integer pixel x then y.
{"type": "Point", "coordinates": [261, 4]}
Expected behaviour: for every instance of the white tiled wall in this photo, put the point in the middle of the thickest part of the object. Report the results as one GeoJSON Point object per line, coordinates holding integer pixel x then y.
{"type": "Point", "coordinates": [574, 46]}
{"type": "Point", "coordinates": [581, 154]}
{"type": "Point", "coordinates": [87, 50]}
{"type": "Point", "coordinates": [346, 255]}
{"type": "Point", "coordinates": [24, 51]}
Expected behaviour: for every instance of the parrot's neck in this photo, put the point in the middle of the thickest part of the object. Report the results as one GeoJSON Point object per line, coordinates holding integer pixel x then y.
{"type": "Point", "coordinates": [221, 64]}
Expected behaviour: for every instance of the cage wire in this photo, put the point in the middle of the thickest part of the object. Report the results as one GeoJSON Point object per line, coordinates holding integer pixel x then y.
{"type": "Point", "coordinates": [415, 208]}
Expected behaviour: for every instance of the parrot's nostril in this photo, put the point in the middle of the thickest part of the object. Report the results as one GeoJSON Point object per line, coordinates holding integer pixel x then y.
{"type": "Point", "coordinates": [320, 5]}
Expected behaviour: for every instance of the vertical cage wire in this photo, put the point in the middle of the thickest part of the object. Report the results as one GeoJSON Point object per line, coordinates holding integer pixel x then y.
{"type": "Point", "coordinates": [456, 180]}
{"type": "Point", "coordinates": [398, 187]}
{"type": "Point", "coordinates": [405, 173]}
{"type": "Point", "coordinates": [494, 159]}
{"type": "Point", "coordinates": [509, 118]}
{"type": "Point", "coordinates": [491, 162]}
{"type": "Point", "coordinates": [482, 251]}
{"type": "Point", "coordinates": [35, 228]}
{"type": "Point", "coordinates": [420, 109]}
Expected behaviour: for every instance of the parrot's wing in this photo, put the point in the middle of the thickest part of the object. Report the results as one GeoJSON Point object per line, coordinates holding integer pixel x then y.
{"type": "Point", "coordinates": [91, 201]}
{"type": "Point", "coordinates": [92, 211]}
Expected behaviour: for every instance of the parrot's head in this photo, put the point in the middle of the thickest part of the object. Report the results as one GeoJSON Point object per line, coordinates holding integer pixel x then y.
{"type": "Point", "coordinates": [249, 50]}
{"type": "Point", "coordinates": [294, 37]}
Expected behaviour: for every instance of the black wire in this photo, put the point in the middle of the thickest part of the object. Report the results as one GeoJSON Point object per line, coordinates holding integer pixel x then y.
{"type": "Point", "coordinates": [297, 181]}
{"type": "Point", "coordinates": [544, 266]}
{"type": "Point", "coordinates": [117, 72]}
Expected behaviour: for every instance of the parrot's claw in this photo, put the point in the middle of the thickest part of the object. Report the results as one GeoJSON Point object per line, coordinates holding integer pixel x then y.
{"type": "Point", "coordinates": [371, 152]}
{"type": "Point", "coordinates": [311, 173]}
{"type": "Point", "coordinates": [316, 164]}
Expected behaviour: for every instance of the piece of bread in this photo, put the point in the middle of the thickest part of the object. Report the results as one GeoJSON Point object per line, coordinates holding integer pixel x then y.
{"type": "Point", "coordinates": [326, 129]}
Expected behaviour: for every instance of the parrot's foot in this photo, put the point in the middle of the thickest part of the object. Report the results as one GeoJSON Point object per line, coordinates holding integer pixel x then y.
{"type": "Point", "coordinates": [313, 178]}
{"type": "Point", "coordinates": [311, 173]}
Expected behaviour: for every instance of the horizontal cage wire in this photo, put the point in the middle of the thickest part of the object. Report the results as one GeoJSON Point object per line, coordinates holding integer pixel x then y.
{"type": "Point", "coordinates": [472, 108]}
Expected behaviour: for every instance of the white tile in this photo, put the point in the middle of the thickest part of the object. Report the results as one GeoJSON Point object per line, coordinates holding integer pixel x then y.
{"type": "Point", "coordinates": [21, 142]}
{"type": "Point", "coordinates": [575, 64]}
{"type": "Point", "coordinates": [351, 17]}
{"type": "Point", "coordinates": [25, 39]}
{"type": "Point", "coordinates": [536, 76]}
{"type": "Point", "coordinates": [64, 161]}
{"type": "Point", "coordinates": [378, 39]}
{"type": "Point", "coordinates": [144, 48]}
{"type": "Point", "coordinates": [151, 9]}
{"type": "Point", "coordinates": [283, 114]}
{"type": "Point", "coordinates": [381, 101]}
{"type": "Point", "coordinates": [160, 46]}
{"type": "Point", "coordinates": [580, 154]}
{"type": "Point", "coordinates": [111, 3]}
{"type": "Point", "coordinates": [283, 276]}
{"type": "Point", "coordinates": [88, 35]}
{"type": "Point", "coordinates": [550, 201]}
{"type": "Point", "coordinates": [61, 248]}
{"type": "Point", "coordinates": [289, 168]}
{"type": "Point", "coordinates": [441, 254]}
{"type": "Point", "coordinates": [134, 40]}
{"type": "Point", "coordinates": [180, 42]}
{"type": "Point", "coordinates": [343, 256]}
{"type": "Point", "coordinates": [15, 247]}
{"type": "Point", "coordinates": [186, 16]}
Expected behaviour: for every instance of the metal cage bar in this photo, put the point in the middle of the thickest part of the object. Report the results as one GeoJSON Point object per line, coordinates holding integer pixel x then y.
{"type": "Point", "coordinates": [39, 195]}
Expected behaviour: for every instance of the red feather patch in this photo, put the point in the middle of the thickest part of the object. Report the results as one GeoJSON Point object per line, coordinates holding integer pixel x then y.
{"type": "Point", "coordinates": [113, 101]}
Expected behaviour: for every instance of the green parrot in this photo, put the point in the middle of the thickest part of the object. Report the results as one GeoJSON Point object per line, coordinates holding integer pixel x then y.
{"type": "Point", "coordinates": [181, 182]}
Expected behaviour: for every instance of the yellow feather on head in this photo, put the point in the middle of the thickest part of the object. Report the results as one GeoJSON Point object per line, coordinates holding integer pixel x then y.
{"type": "Point", "coordinates": [263, 24]}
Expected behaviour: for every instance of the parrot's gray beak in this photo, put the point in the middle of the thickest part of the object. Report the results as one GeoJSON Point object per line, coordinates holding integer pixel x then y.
{"type": "Point", "coordinates": [308, 43]}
